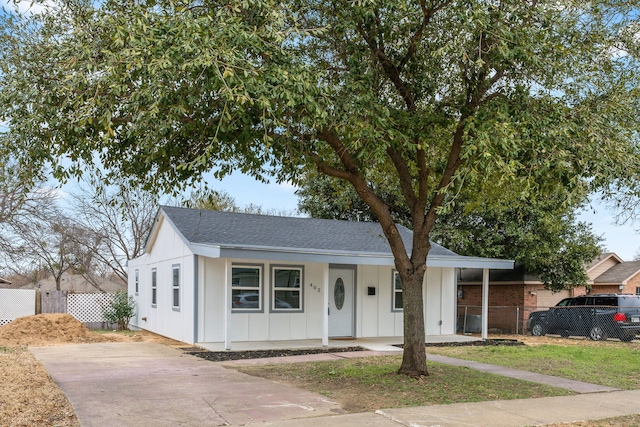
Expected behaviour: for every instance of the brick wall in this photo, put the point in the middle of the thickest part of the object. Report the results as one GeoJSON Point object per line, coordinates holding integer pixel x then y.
{"type": "Point", "coordinates": [607, 289]}
{"type": "Point", "coordinates": [633, 284]}
{"type": "Point", "coordinates": [509, 305]}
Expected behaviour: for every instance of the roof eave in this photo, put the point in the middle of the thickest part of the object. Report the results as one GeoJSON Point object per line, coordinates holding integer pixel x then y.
{"type": "Point", "coordinates": [470, 262]}
{"type": "Point", "coordinates": [340, 257]}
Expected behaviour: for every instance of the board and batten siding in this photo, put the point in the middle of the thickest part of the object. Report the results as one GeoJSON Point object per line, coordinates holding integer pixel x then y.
{"type": "Point", "coordinates": [257, 326]}
{"type": "Point", "coordinates": [373, 314]}
{"type": "Point", "coordinates": [162, 318]}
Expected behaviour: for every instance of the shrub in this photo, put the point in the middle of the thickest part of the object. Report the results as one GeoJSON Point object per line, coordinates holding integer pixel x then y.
{"type": "Point", "coordinates": [120, 310]}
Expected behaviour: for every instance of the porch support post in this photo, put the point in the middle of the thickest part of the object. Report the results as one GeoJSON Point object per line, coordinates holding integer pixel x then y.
{"type": "Point", "coordinates": [227, 306]}
{"type": "Point", "coordinates": [485, 302]}
{"type": "Point", "coordinates": [325, 305]}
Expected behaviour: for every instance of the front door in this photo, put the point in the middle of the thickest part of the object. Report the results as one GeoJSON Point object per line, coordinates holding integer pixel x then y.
{"type": "Point", "coordinates": [341, 302]}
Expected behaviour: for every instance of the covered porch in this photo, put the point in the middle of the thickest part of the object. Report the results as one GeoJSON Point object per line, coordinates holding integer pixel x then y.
{"type": "Point", "coordinates": [375, 344]}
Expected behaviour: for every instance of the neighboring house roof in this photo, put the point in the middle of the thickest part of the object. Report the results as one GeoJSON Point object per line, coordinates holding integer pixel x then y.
{"type": "Point", "coordinates": [600, 258]}
{"type": "Point", "coordinates": [238, 235]}
{"type": "Point", "coordinates": [619, 273]}
{"type": "Point", "coordinates": [76, 283]}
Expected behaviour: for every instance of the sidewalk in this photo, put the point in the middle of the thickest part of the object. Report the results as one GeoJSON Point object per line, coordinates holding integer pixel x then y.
{"type": "Point", "coordinates": [501, 413]}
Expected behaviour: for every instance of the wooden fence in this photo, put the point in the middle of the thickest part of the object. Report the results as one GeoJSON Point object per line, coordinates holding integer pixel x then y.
{"type": "Point", "coordinates": [85, 307]}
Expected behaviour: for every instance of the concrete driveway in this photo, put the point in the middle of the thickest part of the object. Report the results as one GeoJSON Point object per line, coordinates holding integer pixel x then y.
{"type": "Point", "coordinates": [148, 384]}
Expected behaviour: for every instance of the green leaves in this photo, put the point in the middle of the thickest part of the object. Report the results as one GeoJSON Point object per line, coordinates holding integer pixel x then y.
{"type": "Point", "coordinates": [432, 96]}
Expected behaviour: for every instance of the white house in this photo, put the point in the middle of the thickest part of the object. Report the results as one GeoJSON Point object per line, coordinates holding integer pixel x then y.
{"type": "Point", "coordinates": [220, 277]}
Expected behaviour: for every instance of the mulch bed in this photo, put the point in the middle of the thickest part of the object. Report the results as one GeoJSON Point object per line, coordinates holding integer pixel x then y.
{"type": "Point", "coordinates": [479, 343]}
{"type": "Point", "coordinates": [221, 356]}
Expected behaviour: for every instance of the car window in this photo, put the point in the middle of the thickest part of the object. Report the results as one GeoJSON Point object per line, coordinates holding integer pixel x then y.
{"type": "Point", "coordinates": [606, 301]}
{"type": "Point", "coordinates": [577, 301]}
{"type": "Point", "coordinates": [565, 302]}
{"type": "Point", "coordinates": [629, 302]}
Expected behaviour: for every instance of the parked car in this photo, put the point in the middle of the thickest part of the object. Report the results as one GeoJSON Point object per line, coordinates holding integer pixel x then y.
{"type": "Point", "coordinates": [252, 300]}
{"type": "Point", "coordinates": [598, 317]}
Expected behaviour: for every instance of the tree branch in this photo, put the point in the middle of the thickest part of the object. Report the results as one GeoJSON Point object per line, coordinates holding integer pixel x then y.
{"type": "Point", "coordinates": [404, 175]}
{"type": "Point", "coordinates": [354, 176]}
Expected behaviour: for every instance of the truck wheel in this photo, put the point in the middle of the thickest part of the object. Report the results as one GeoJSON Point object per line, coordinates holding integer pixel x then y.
{"type": "Point", "coordinates": [537, 330]}
{"type": "Point", "coordinates": [597, 334]}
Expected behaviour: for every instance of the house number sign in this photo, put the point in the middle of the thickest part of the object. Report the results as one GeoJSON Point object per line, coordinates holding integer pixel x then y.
{"type": "Point", "coordinates": [338, 293]}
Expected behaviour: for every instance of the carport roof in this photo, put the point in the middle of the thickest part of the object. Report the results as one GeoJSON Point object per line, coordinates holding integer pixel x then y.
{"type": "Point", "coordinates": [248, 236]}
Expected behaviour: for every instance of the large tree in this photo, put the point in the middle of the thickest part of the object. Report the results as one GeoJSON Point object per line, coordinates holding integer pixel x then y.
{"type": "Point", "coordinates": [540, 233]}
{"type": "Point", "coordinates": [436, 95]}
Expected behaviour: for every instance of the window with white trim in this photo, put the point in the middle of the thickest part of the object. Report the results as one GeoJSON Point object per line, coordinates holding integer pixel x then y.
{"type": "Point", "coordinates": [286, 289]}
{"type": "Point", "coordinates": [246, 288]}
{"type": "Point", "coordinates": [175, 285]}
{"type": "Point", "coordinates": [397, 292]}
{"type": "Point", "coordinates": [154, 287]}
{"type": "Point", "coordinates": [637, 291]}
{"type": "Point", "coordinates": [137, 280]}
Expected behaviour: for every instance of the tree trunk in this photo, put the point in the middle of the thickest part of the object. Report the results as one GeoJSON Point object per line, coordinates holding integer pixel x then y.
{"type": "Point", "coordinates": [414, 358]}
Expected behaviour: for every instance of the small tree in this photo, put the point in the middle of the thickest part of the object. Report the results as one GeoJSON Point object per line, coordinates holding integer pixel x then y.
{"type": "Point", "coordinates": [120, 310]}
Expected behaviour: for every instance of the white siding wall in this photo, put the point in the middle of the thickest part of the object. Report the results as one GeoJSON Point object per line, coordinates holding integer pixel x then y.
{"type": "Point", "coordinates": [373, 313]}
{"type": "Point", "coordinates": [440, 301]}
{"type": "Point", "coordinates": [168, 250]}
{"type": "Point", "coordinates": [258, 326]}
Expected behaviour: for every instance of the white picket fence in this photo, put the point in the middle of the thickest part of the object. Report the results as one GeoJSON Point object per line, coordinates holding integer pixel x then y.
{"type": "Point", "coordinates": [88, 308]}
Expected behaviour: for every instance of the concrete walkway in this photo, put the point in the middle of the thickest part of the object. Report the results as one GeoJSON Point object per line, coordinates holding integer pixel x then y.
{"type": "Point", "coordinates": [148, 384]}
{"type": "Point", "coordinates": [577, 386]}
{"type": "Point", "coordinates": [145, 384]}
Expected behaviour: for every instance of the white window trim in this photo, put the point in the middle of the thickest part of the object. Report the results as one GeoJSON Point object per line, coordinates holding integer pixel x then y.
{"type": "Point", "coordinates": [394, 291]}
{"type": "Point", "coordinates": [154, 287]}
{"type": "Point", "coordinates": [260, 289]}
{"type": "Point", "coordinates": [300, 289]}
{"type": "Point", "coordinates": [175, 267]}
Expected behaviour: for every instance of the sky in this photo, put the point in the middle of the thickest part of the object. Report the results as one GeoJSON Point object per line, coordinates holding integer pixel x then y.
{"type": "Point", "coordinates": [624, 240]}
{"type": "Point", "coordinates": [621, 239]}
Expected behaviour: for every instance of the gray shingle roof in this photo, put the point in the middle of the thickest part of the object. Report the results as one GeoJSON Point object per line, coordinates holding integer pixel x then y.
{"type": "Point", "coordinates": [619, 272]}
{"type": "Point", "coordinates": [276, 232]}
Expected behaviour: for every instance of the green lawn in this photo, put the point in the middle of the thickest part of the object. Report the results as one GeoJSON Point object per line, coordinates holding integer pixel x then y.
{"type": "Point", "coordinates": [347, 381]}
{"type": "Point", "coordinates": [611, 364]}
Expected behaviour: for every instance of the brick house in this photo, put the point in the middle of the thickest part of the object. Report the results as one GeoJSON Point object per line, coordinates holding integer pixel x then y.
{"type": "Point", "coordinates": [611, 275]}
{"type": "Point", "coordinates": [513, 294]}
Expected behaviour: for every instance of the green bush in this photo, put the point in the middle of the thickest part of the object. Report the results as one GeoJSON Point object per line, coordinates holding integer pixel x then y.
{"type": "Point", "coordinates": [120, 310]}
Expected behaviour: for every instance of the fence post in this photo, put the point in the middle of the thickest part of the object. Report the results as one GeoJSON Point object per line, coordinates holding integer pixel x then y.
{"type": "Point", "coordinates": [517, 320]}
{"type": "Point", "coordinates": [464, 323]}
